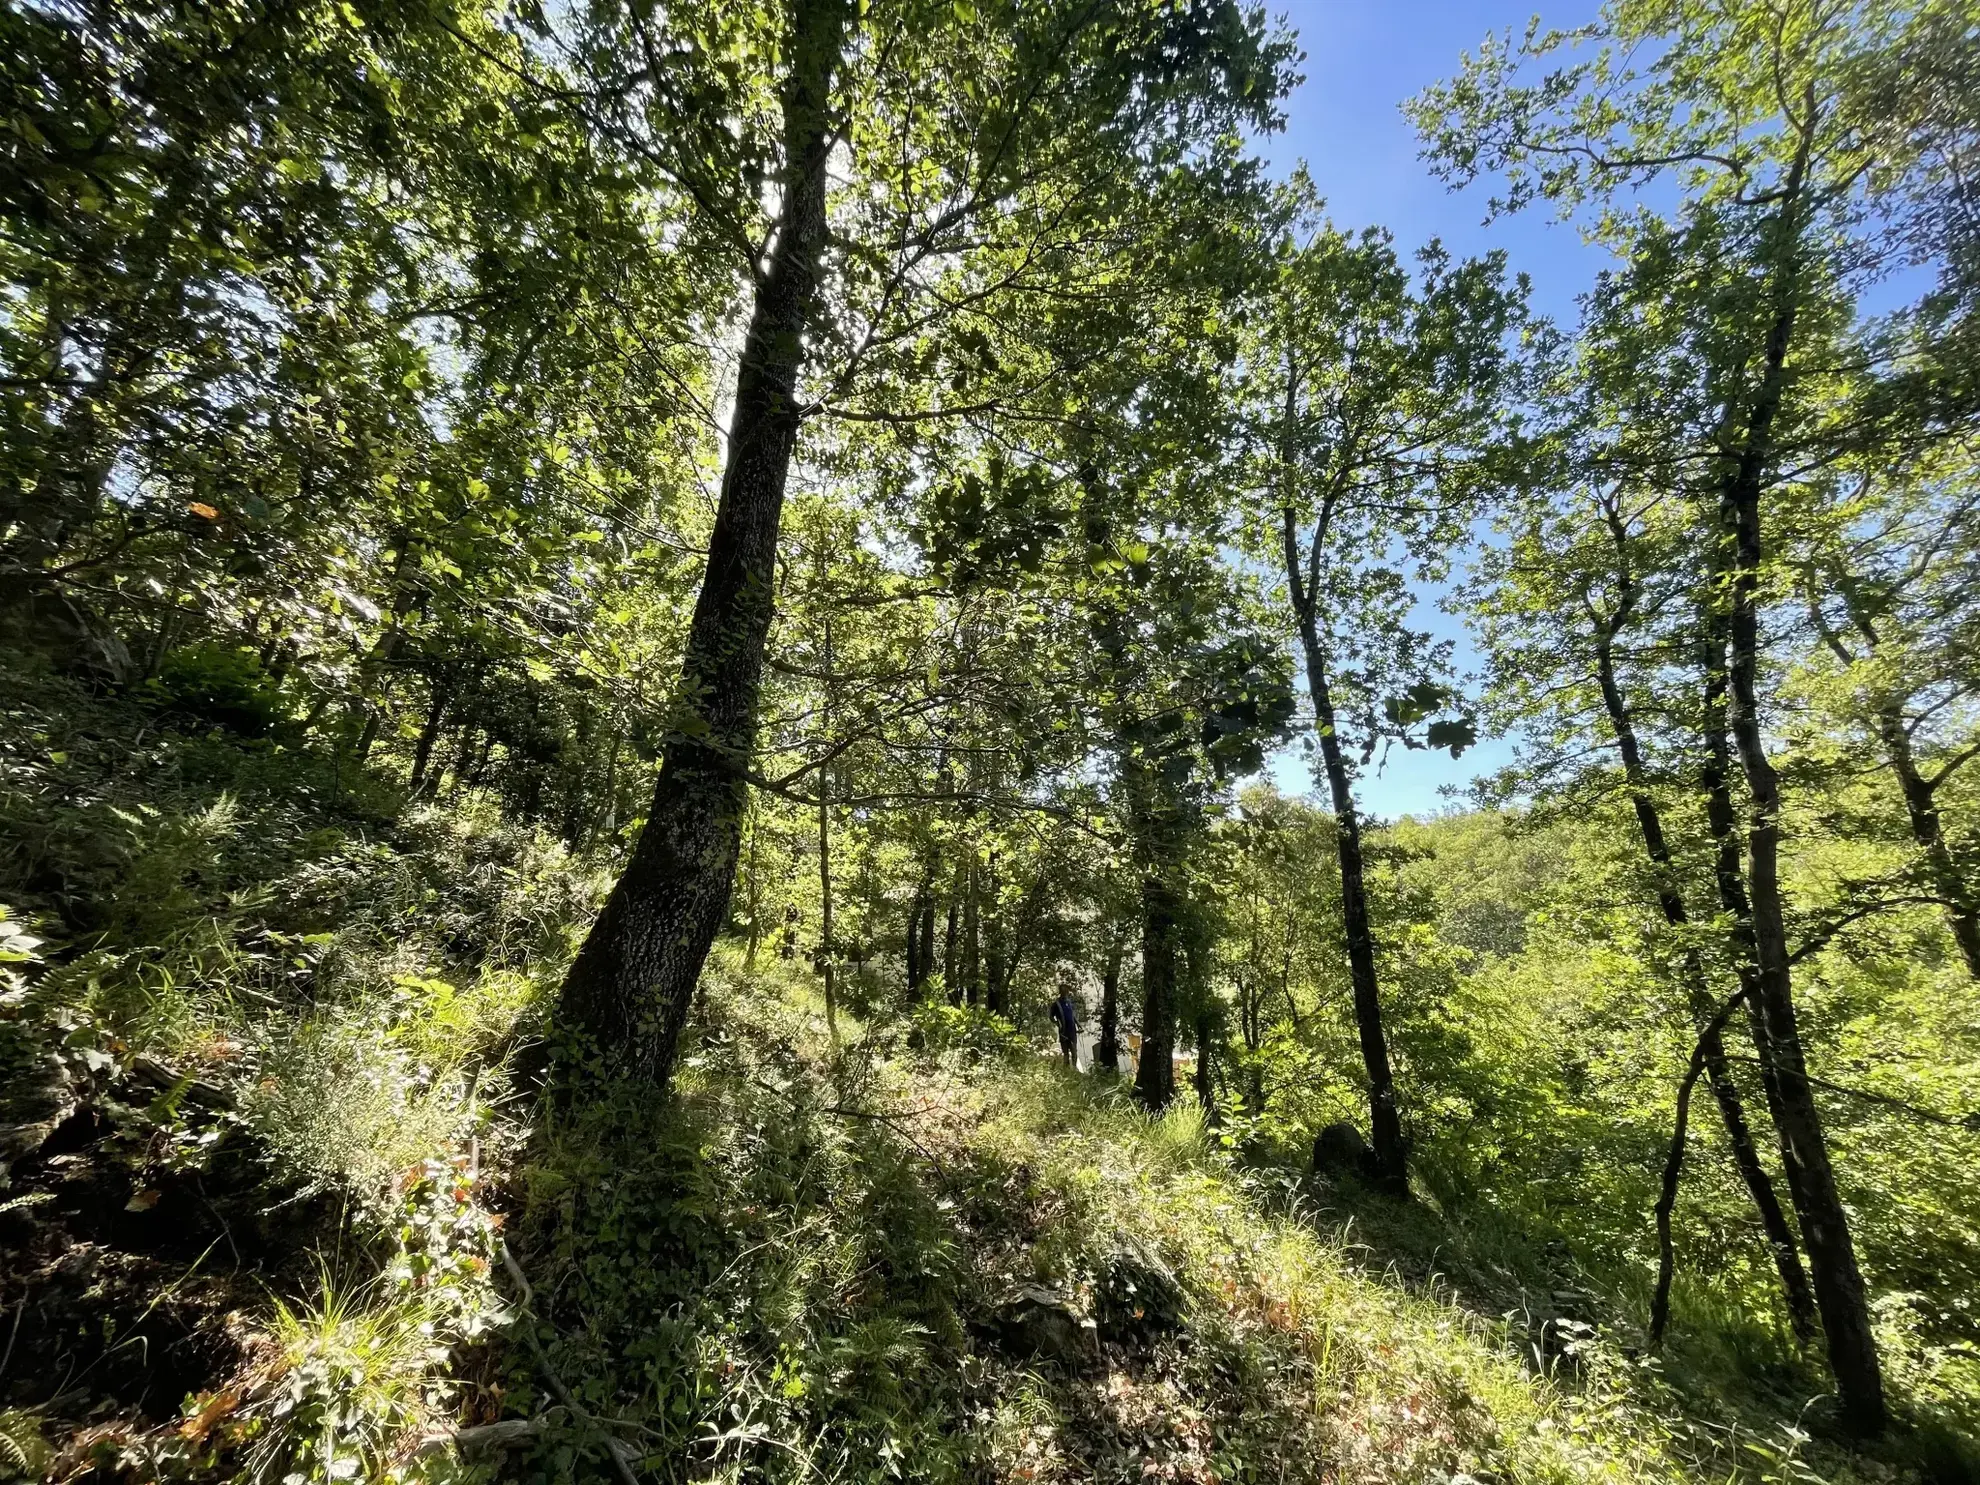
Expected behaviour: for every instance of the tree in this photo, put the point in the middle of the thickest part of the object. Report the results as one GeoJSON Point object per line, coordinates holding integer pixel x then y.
{"type": "Point", "coordinates": [1387, 394]}
{"type": "Point", "coordinates": [1887, 578]}
{"type": "Point", "coordinates": [1808, 159]}
{"type": "Point", "coordinates": [1581, 598]}
{"type": "Point", "coordinates": [1043, 122]}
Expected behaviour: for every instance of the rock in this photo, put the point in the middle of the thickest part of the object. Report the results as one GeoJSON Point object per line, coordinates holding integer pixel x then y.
{"type": "Point", "coordinates": [1041, 1324]}
{"type": "Point", "coordinates": [1339, 1149]}
{"type": "Point", "coordinates": [1136, 1302]}
{"type": "Point", "coordinates": [33, 1106]}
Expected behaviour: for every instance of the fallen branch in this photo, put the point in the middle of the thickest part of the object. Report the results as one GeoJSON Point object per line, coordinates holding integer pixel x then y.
{"type": "Point", "coordinates": [483, 1435]}
{"type": "Point", "coordinates": [555, 1383]}
{"type": "Point", "coordinates": [840, 1111]}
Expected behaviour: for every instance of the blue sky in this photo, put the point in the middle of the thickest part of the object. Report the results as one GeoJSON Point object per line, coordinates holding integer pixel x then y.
{"type": "Point", "coordinates": [1363, 58]}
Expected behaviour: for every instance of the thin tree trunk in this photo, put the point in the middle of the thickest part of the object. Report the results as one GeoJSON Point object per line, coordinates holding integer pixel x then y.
{"type": "Point", "coordinates": [827, 947]}
{"type": "Point", "coordinates": [1839, 1289]}
{"type": "Point", "coordinates": [631, 985]}
{"type": "Point", "coordinates": [972, 967]}
{"type": "Point", "coordinates": [994, 957]}
{"type": "Point", "coordinates": [1107, 1050]}
{"type": "Point", "coordinates": [755, 889]}
{"type": "Point", "coordinates": [1385, 1123]}
{"type": "Point", "coordinates": [951, 982]}
{"type": "Point", "coordinates": [915, 965]}
{"type": "Point", "coordinates": [364, 714]}
{"type": "Point", "coordinates": [1711, 1042]}
{"type": "Point", "coordinates": [1921, 805]}
{"type": "Point", "coordinates": [927, 942]}
{"type": "Point", "coordinates": [429, 734]}
{"type": "Point", "coordinates": [1204, 1092]}
{"type": "Point", "coordinates": [1712, 1031]}
{"type": "Point", "coordinates": [608, 822]}
{"type": "Point", "coordinates": [1715, 783]}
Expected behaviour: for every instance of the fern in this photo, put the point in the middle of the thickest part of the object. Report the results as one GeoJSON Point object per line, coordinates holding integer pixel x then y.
{"type": "Point", "coordinates": [24, 1454]}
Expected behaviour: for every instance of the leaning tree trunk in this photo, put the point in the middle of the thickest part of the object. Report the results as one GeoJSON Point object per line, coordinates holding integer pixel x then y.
{"type": "Point", "coordinates": [1715, 784]}
{"type": "Point", "coordinates": [631, 985]}
{"type": "Point", "coordinates": [1385, 1123]}
{"type": "Point", "coordinates": [1839, 1289]}
{"type": "Point", "coordinates": [1961, 903]}
{"type": "Point", "coordinates": [1921, 806]}
{"type": "Point", "coordinates": [429, 734]}
{"type": "Point", "coordinates": [1711, 1053]}
{"type": "Point", "coordinates": [1155, 1075]}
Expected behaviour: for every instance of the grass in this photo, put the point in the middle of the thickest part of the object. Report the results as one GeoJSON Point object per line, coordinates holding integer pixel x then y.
{"type": "Point", "coordinates": [817, 1258]}
{"type": "Point", "coordinates": [797, 1270]}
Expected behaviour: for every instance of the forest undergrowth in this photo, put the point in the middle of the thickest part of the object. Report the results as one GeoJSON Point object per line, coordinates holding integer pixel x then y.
{"type": "Point", "coordinates": [279, 1211]}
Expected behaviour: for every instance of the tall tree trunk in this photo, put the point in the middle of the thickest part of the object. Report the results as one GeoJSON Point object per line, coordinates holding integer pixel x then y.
{"type": "Point", "coordinates": [1711, 1054]}
{"type": "Point", "coordinates": [631, 985]}
{"type": "Point", "coordinates": [972, 966]}
{"type": "Point", "coordinates": [995, 958]}
{"type": "Point", "coordinates": [921, 931]}
{"type": "Point", "coordinates": [915, 964]}
{"type": "Point", "coordinates": [827, 947]}
{"type": "Point", "coordinates": [1204, 1091]}
{"type": "Point", "coordinates": [1385, 1123]}
{"type": "Point", "coordinates": [1155, 1075]}
{"type": "Point", "coordinates": [951, 982]}
{"type": "Point", "coordinates": [363, 714]}
{"type": "Point", "coordinates": [927, 942]}
{"type": "Point", "coordinates": [606, 822]}
{"type": "Point", "coordinates": [1728, 870]}
{"type": "Point", "coordinates": [755, 890]}
{"type": "Point", "coordinates": [1839, 1290]}
{"type": "Point", "coordinates": [1107, 1050]}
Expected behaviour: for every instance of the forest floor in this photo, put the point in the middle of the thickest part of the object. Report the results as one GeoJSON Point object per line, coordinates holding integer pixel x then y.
{"type": "Point", "coordinates": [276, 1210]}
{"type": "Point", "coordinates": [922, 1252]}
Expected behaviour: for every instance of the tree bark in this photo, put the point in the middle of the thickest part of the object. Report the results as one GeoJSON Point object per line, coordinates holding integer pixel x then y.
{"type": "Point", "coordinates": [1385, 1123]}
{"type": "Point", "coordinates": [827, 947]}
{"type": "Point", "coordinates": [1711, 1054]}
{"type": "Point", "coordinates": [429, 734]}
{"type": "Point", "coordinates": [1155, 1076]}
{"type": "Point", "coordinates": [1839, 1289]}
{"type": "Point", "coordinates": [972, 947]}
{"type": "Point", "coordinates": [631, 985]}
{"type": "Point", "coordinates": [1107, 1050]}
{"type": "Point", "coordinates": [951, 982]}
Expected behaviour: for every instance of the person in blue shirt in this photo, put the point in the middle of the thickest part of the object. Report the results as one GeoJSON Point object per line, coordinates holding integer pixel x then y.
{"type": "Point", "coordinates": [1066, 1016]}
